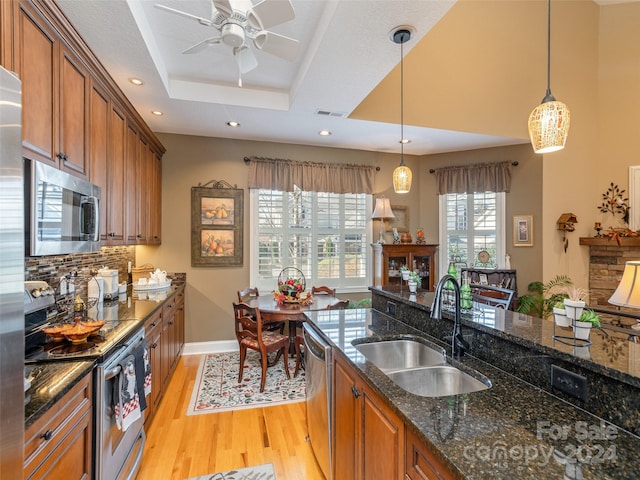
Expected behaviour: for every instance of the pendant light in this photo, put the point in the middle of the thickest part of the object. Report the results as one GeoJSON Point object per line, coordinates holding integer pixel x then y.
{"type": "Point", "coordinates": [549, 121]}
{"type": "Point", "coordinates": [402, 174]}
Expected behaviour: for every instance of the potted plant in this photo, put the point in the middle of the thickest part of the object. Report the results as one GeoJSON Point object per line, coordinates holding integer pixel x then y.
{"type": "Point", "coordinates": [575, 302]}
{"type": "Point", "coordinates": [560, 314]}
{"type": "Point", "coordinates": [404, 271]}
{"type": "Point", "coordinates": [582, 326]}
{"type": "Point", "coordinates": [541, 297]}
{"type": "Point", "coordinates": [414, 281]}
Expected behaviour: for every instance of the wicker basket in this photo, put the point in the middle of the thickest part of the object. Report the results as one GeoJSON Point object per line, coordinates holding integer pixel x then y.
{"type": "Point", "coordinates": [141, 272]}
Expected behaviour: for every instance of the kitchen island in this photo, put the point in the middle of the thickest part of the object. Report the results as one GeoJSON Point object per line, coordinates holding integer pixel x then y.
{"type": "Point", "coordinates": [512, 430]}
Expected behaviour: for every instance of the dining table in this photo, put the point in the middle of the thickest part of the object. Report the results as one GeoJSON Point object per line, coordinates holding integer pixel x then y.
{"type": "Point", "coordinates": [291, 313]}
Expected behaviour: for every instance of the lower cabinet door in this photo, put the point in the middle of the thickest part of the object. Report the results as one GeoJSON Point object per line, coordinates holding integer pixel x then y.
{"type": "Point", "coordinates": [422, 464]}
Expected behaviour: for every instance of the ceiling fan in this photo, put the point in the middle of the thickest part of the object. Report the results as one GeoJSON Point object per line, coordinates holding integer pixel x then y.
{"type": "Point", "coordinates": [240, 24]}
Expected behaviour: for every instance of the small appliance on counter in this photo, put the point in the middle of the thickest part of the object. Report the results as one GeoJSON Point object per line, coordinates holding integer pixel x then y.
{"type": "Point", "coordinates": [110, 278]}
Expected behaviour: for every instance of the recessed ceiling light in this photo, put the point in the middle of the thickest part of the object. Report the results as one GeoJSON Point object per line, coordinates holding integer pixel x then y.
{"type": "Point", "coordinates": [136, 81]}
{"type": "Point", "coordinates": [405, 141]}
{"type": "Point", "coordinates": [157, 113]}
{"type": "Point", "coordinates": [324, 133]}
{"type": "Point", "coordinates": [233, 124]}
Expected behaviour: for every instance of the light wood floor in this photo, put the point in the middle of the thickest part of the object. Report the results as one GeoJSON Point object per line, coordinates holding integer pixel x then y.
{"type": "Point", "coordinates": [180, 446]}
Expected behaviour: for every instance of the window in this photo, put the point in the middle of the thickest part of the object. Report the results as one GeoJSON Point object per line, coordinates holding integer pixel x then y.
{"type": "Point", "coordinates": [325, 235]}
{"type": "Point", "coordinates": [469, 224]}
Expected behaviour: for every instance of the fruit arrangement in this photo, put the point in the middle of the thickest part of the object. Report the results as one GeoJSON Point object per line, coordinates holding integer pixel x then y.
{"type": "Point", "coordinates": [213, 245]}
{"type": "Point", "coordinates": [221, 212]}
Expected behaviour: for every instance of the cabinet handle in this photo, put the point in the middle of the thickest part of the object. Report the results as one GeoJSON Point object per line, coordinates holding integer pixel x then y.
{"type": "Point", "coordinates": [355, 392]}
{"type": "Point", "coordinates": [155, 345]}
{"type": "Point", "coordinates": [47, 435]}
{"type": "Point", "coordinates": [153, 324]}
{"type": "Point", "coordinates": [139, 236]}
{"type": "Point", "coordinates": [170, 323]}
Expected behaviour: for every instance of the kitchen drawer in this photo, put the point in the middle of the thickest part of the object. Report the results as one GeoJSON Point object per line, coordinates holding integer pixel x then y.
{"type": "Point", "coordinates": [66, 427]}
{"type": "Point", "coordinates": [153, 322]}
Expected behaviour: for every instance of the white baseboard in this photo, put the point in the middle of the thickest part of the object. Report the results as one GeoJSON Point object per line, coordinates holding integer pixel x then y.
{"type": "Point", "coordinates": [198, 348]}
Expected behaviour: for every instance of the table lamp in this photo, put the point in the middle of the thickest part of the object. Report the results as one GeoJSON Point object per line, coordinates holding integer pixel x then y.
{"type": "Point", "coordinates": [628, 292]}
{"type": "Point", "coordinates": [382, 211]}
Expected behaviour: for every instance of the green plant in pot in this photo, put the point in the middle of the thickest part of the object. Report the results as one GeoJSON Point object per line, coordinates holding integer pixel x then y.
{"type": "Point", "coordinates": [404, 271]}
{"type": "Point", "coordinates": [560, 314]}
{"type": "Point", "coordinates": [414, 281]}
{"type": "Point", "coordinates": [542, 297]}
{"type": "Point", "coordinates": [588, 320]}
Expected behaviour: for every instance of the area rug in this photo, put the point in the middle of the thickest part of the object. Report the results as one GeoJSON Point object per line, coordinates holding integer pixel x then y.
{"type": "Point", "coordinates": [217, 388]}
{"type": "Point", "coordinates": [259, 472]}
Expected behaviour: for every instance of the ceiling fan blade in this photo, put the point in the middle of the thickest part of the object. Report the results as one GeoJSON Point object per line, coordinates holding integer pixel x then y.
{"type": "Point", "coordinates": [279, 45]}
{"type": "Point", "coordinates": [246, 59]}
{"type": "Point", "coordinates": [202, 20]}
{"type": "Point", "coordinates": [223, 7]}
{"type": "Point", "coordinates": [202, 45]}
{"type": "Point", "coordinates": [268, 13]}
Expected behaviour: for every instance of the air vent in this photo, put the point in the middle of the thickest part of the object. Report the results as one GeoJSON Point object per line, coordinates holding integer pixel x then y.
{"type": "Point", "coordinates": [327, 113]}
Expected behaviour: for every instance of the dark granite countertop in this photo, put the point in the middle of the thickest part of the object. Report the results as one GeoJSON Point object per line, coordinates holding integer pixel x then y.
{"type": "Point", "coordinates": [53, 380]}
{"type": "Point", "coordinates": [513, 430]}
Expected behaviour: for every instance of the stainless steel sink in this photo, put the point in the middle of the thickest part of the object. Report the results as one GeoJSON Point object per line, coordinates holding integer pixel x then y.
{"type": "Point", "coordinates": [394, 355]}
{"type": "Point", "coordinates": [440, 381]}
{"type": "Point", "coordinates": [420, 369]}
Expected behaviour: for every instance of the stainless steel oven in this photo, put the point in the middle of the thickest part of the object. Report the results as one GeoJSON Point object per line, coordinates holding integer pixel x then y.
{"type": "Point", "coordinates": [62, 211]}
{"type": "Point", "coordinates": [118, 453]}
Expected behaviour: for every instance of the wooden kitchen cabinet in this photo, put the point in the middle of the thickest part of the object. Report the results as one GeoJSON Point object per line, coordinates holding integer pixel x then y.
{"type": "Point", "coordinates": [422, 464]}
{"type": "Point", "coordinates": [153, 334]}
{"type": "Point", "coordinates": [59, 444]}
{"type": "Point", "coordinates": [369, 437]}
{"type": "Point", "coordinates": [155, 199]}
{"type": "Point", "coordinates": [116, 173]}
{"type": "Point", "coordinates": [388, 258]}
{"type": "Point", "coordinates": [99, 152]}
{"type": "Point", "coordinates": [56, 87]}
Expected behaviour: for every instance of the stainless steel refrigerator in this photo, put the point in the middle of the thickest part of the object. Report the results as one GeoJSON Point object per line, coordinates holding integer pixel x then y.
{"type": "Point", "coordinates": [12, 253]}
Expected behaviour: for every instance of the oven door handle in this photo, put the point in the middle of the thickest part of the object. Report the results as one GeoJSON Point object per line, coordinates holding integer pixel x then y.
{"type": "Point", "coordinates": [114, 372]}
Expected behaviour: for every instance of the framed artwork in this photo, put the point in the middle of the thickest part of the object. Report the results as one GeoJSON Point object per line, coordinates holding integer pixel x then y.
{"type": "Point", "coordinates": [400, 221]}
{"type": "Point", "coordinates": [483, 279]}
{"type": "Point", "coordinates": [216, 226]}
{"type": "Point", "coordinates": [523, 230]}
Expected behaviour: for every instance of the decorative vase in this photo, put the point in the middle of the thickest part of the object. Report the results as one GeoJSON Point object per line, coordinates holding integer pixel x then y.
{"type": "Point", "coordinates": [413, 287]}
{"type": "Point", "coordinates": [574, 308]}
{"type": "Point", "coordinates": [582, 330]}
{"type": "Point", "coordinates": [406, 238]}
{"type": "Point", "coordinates": [560, 315]}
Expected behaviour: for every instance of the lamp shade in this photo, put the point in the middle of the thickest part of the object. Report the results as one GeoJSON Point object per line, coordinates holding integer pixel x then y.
{"type": "Point", "coordinates": [549, 126]}
{"type": "Point", "coordinates": [402, 179]}
{"type": "Point", "coordinates": [382, 209]}
{"type": "Point", "coordinates": [628, 292]}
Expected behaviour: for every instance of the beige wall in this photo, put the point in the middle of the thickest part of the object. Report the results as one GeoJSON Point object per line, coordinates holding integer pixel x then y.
{"type": "Point", "coordinates": [191, 160]}
{"type": "Point", "coordinates": [525, 198]}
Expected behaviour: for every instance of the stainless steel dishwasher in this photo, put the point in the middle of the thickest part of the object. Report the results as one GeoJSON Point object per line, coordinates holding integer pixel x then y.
{"type": "Point", "coordinates": [318, 375]}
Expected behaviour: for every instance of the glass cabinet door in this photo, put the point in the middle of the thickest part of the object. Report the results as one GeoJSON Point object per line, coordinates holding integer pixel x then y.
{"type": "Point", "coordinates": [394, 265]}
{"type": "Point", "coordinates": [421, 265]}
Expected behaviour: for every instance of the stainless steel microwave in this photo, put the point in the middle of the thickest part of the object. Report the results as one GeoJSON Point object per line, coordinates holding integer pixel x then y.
{"type": "Point", "coordinates": [63, 214]}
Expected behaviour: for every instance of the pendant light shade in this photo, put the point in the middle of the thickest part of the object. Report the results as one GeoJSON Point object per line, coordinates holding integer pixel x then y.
{"type": "Point", "coordinates": [402, 178]}
{"type": "Point", "coordinates": [549, 122]}
{"type": "Point", "coordinates": [402, 174]}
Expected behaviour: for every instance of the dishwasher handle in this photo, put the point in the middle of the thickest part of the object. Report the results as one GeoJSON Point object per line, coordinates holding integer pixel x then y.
{"type": "Point", "coordinates": [316, 346]}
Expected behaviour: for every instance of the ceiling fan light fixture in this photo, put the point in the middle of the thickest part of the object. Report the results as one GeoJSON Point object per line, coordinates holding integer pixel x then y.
{"type": "Point", "coordinates": [232, 35]}
{"type": "Point", "coordinates": [549, 122]}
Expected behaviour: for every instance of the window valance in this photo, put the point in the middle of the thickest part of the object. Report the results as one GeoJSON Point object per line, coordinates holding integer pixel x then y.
{"type": "Point", "coordinates": [283, 175]}
{"type": "Point", "coordinates": [482, 177]}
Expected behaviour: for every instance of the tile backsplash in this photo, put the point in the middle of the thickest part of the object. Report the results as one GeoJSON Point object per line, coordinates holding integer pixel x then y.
{"type": "Point", "coordinates": [51, 267]}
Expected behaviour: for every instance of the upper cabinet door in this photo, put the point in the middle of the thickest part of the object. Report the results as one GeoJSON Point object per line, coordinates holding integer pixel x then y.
{"type": "Point", "coordinates": [99, 103]}
{"type": "Point", "coordinates": [74, 94]}
{"type": "Point", "coordinates": [37, 65]}
{"type": "Point", "coordinates": [55, 91]}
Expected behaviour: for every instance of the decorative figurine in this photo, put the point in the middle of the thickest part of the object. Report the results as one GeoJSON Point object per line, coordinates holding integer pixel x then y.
{"type": "Point", "coordinates": [420, 240]}
{"type": "Point", "coordinates": [396, 237]}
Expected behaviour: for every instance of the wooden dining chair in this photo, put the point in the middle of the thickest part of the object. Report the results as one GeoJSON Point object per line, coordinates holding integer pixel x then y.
{"type": "Point", "coordinates": [339, 305]}
{"type": "Point", "coordinates": [248, 293]}
{"type": "Point", "coordinates": [251, 335]}
{"type": "Point", "coordinates": [322, 290]}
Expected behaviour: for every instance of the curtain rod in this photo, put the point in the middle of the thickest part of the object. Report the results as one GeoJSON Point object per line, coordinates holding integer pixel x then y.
{"type": "Point", "coordinates": [514, 163]}
{"type": "Point", "coordinates": [247, 160]}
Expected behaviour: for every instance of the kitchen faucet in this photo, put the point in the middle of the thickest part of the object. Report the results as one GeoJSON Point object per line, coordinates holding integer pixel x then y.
{"type": "Point", "coordinates": [458, 343]}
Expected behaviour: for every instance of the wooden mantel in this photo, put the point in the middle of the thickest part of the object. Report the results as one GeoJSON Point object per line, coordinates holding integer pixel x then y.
{"type": "Point", "coordinates": [610, 242]}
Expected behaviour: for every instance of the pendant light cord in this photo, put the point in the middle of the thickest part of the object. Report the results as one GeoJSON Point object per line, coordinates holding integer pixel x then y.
{"type": "Point", "coordinates": [548, 48]}
{"type": "Point", "coordinates": [402, 103]}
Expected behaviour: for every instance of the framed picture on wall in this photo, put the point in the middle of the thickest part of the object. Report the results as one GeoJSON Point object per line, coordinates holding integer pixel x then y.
{"type": "Point", "coordinates": [216, 226]}
{"type": "Point", "coordinates": [400, 221]}
{"type": "Point", "coordinates": [523, 230]}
